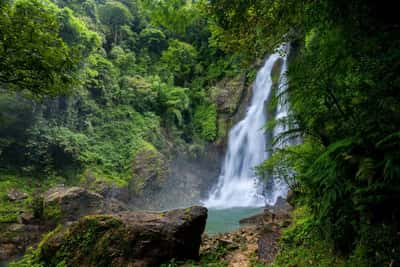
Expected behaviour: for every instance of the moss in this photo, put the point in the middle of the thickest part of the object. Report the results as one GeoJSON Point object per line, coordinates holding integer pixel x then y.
{"type": "Point", "coordinates": [84, 244]}
{"type": "Point", "coordinates": [148, 168]}
{"type": "Point", "coordinates": [187, 214]}
{"type": "Point", "coordinates": [93, 176]}
{"type": "Point", "coordinates": [33, 186]}
{"type": "Point", "coordinates": [52, 212]}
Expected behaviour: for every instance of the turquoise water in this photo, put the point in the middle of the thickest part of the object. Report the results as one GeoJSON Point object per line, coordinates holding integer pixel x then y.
{"type": "Point", "coordinates": [227, 220]}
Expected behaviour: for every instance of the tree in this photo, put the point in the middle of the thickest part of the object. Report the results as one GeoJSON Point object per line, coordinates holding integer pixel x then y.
{"type": "Point", "coordinates": [172, 102]}
{"type": "Point", "coordinates": [115, 14]}
{"type": "Point", "coordinates": [153, 39]}
{"type": "Point", "coordinates": [33, 55]}
{"type": "Point", "coordinates": [180, 60]}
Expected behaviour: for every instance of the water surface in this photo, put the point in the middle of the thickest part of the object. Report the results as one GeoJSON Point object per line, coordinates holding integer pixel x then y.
{"type": "Point", "coordinates": [227, 220]}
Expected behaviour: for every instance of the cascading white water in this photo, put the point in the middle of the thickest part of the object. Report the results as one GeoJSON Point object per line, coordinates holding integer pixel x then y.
{"type": "Point", "coordinates": [238, 185]}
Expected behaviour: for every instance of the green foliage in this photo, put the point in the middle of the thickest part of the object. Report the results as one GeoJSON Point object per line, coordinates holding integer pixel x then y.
{"type": "Point", "coordinates": [136, 73]}
{"type": "Point", "coordinates": [34, 56]}
{"type": "Point", "coordinates": [124, 60]}
{"type": "Point", "coordinates": [205, 122]}
{"type": "Point", "coordinates": [115, 14]}
{"type": "Point", "coordinates": [9, 210]}
{"type": "Point", "coordinates": [84, 243]}
{"type": "Point", "coordinates": [180, 60]}
{"type": "Point", "coordinates": [176, 16]}
{"type": "Point", "coordinates": [37, 206]}
{"type": "Point", "coordinates": [138, 92]}
{"type": "Point", "coordinates": [153, 39]}
{"type": "Point", "coordinates": [300, 245]}
{"type": "Point", "coordinates": [342, 91]}
{"type": "Point", "coordinates": [76, 35]}
{"type": "Point", "coordinates": [173, 101]}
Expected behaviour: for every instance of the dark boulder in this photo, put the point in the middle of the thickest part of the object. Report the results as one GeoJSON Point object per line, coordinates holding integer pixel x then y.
{"type": "Point", "coordinates": [126, 239]}
{"type": "Point", "coordinates": [70, 203]}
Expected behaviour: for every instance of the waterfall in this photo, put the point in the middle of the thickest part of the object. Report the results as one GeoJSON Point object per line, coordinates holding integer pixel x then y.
{"type": "Point", "coordinates": [238, 185]}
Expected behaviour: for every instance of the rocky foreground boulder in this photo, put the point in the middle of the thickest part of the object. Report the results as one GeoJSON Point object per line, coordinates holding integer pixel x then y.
{"type": "Point", "coordinates": [71, 203]}
{"type": "Point", "coordinates": [124, 239]}
{"type": "Point", "coordinates": [59, 205]}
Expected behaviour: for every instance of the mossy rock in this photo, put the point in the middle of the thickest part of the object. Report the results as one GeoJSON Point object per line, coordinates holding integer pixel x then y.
{"type": "Point", "coordinates": [228, 93]}
{"type": "Point", "coordinates": [70, 203]}
{"type": "Point", "coordinates": [149, 170]}
{"type": "Point", "coordinates": [123, 239]}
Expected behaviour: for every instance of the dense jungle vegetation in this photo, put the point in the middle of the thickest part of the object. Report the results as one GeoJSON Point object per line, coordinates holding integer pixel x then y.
{"type": "Point", "coordinates": [85, 84]}
{"type": "Point", "coordinates": [344, 97]}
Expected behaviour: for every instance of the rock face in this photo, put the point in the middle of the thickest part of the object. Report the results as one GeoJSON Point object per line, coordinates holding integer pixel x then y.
{"type": "Point", "coordinates": [14, 195]}
{"type": "Point", "coordinates": [61, 204]}
{"type": "Point", "coordinates": [188, 182]}
{"type": "Point", "coordinates": [126, 239]}
{"type": "Point", "coordinates": [278, 213]}
{"type": "Point", "coordinates": [149, 171]}
{"type": "Point", "coordinates": [16, 237]}
{"type": "Point", "coordinates": [149, 174]}
{"type": "Point", "coordinates": [269, 225]}
{"type": "Point", "coordinates": [228, 93]}
{"type": "Point", "coordinates": [70, 203]}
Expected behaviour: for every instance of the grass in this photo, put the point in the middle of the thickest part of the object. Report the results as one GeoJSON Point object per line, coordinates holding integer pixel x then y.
{"type": "Point", "coordinates": [9, 210]}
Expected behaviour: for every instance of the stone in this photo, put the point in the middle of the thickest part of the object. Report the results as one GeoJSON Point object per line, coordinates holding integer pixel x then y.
{"type": "Point", "coordinates": [268, 246]}
{"type": "Point", "coordinates": [253, 220]}
{"type": "Point", "coordinates": [269, 224]}
{"type": "Point", "coordinates": [8, 250]}
{"type": "Point", "coordinates": [14, 195]}
{"type": "Point", "coordinates": [15, 238]}
{"type": "Point", "coordinates": [127, 239]}
{"type": "Point", "coordinates": [282, 206]}
{"type": "Point", "coordinates": [149, 171]}
{"type": "Point", "coordinates": [61, 205]}
{"type": "Point", "coordinates": [228, 93]}
{"type": "Point", "coordinates": [71, 203]}
{"type": "Point", "coordinates": [279, 213]}
{"type": "Point", "coordinates": [26, 218]}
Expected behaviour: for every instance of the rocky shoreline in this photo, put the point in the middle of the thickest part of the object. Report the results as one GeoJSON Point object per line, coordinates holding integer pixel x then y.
{"type": "Point", "coordinates": [255, 242]}
{"type": "Point", "coordinates": [151, 237]}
